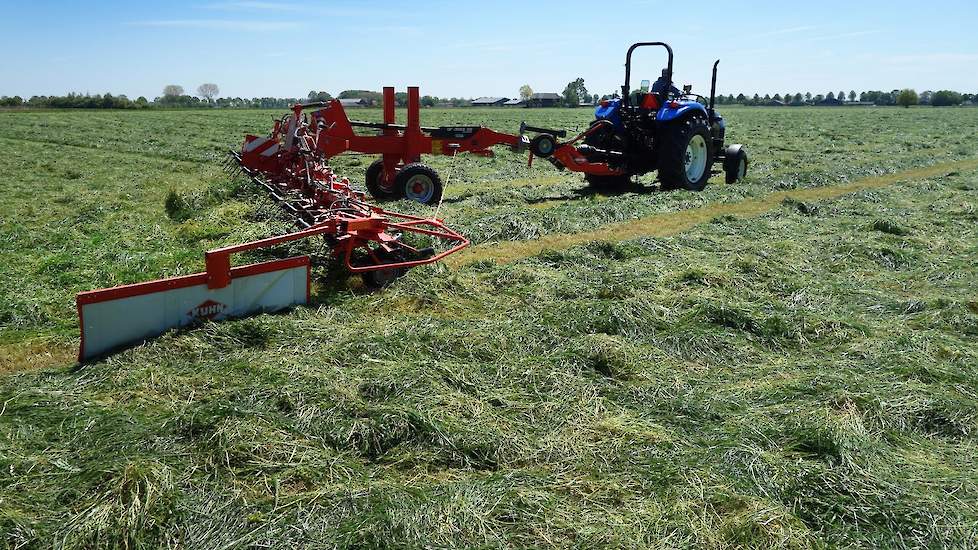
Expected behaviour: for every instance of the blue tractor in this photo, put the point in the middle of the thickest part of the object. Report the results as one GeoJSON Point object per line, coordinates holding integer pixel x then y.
{"type": "Point", "coordinates": [657, 127]}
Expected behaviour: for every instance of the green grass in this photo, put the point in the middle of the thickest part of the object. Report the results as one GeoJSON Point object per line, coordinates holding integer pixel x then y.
{"type": "Point", "coordinates": [801, 378]}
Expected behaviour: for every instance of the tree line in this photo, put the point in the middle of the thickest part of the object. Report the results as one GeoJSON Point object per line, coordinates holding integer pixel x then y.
{"type": "Point", "coordinates": [905, 97]}
{"type": "Point", "coordinates": [109, 101]}
{"type": "Point", "coordinates": [400, 98]}
{"type": "Point", "coordinates": [174, 96]}
{"type": "Point", "coordinates": [574, 94]}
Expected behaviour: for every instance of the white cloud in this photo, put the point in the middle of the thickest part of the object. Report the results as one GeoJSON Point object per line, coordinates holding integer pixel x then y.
{"type": "Point", "coordinates": [852, 34]}
{"type": "Point", "coordinates": [254, 6]}
{"type": "Point", "coordinates": [352, 10]}
{"type": "Point", "coordinates": [220, 24]}
{"type": "Point", "coordinates": [927, 58]}
{"type": "Point", "coordinates": [789, 30]}
{"type": "Point", "coordinates": [387, 30]}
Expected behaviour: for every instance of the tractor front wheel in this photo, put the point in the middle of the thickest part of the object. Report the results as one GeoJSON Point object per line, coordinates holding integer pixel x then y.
{"type": "Point", "coordinates": [381, 190]}
{"type": "Point", "coordinates": [685, 156]}
{"type": "Point", "coordinates": [420, 183]}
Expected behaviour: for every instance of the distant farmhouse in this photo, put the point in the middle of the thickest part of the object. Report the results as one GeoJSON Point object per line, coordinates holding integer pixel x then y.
{"type": "Point", "coordinates": [831, 102]}
{"type": "Point", "coordinates": [545, 100]}
{"type": "Point", "coordinates": [490, 101]}
{"type": "Point", "coordinates": [354, 102]}
{"type": "Point", "coordinates": [514, 103]}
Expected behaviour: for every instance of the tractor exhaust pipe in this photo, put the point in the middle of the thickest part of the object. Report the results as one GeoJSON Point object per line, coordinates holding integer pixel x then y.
{"type": "Point", "coordinates": [713, 86]}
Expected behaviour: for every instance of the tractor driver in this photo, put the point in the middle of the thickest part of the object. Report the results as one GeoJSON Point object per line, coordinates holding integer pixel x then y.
{"type": "Point", "coordinates": [652, 99]}
{"type": "Point", "coordinates": [663, 87]}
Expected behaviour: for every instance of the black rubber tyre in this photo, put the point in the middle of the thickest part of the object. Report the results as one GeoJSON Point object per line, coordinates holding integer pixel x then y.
{"type": "Point", "coordinates": [377, 189]}
{"type": "Point", "coordinates": [420, 183]}
{"type": "Point", "coordinates": [676, 140]}
{"type": "Point", "coordinates": [603, 183]}
{"type": "Point", "coordinates": [543, 145]}
{"type": "Point", "coordinates": [381, 278]}
{"type": "Point", "coordinates": [735, 163]}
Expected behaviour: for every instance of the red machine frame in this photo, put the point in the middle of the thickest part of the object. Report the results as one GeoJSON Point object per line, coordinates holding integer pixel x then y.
{"type": "Point", "coordinates": [565, 154]}
{"type": "Point", "coordinates": [400, 145]}
{"type": "Point", "coordinates": [332, 133]}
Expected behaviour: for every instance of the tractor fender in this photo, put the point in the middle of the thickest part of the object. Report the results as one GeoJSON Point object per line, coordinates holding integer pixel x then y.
{"type": "Point", "coordinates": [610, 111]}
{"type": "Point", "coordinates": [673, 110]}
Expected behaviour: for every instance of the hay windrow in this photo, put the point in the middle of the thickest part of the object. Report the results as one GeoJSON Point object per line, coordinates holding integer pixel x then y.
{"type": "Point", "coordinates": [662, 225]}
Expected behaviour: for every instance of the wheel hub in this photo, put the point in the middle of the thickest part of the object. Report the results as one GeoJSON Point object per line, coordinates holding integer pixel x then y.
{"type": "Point", "coordinates": [695, 158]}
{"type": "Point", "coordinates": [420, 189]}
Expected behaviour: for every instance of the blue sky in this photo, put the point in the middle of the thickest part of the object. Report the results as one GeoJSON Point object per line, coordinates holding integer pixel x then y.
{"type": "Point", "coordinates": [285, 49]}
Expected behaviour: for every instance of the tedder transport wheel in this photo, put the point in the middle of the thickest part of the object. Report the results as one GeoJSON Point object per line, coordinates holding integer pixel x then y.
{"type": "Point", "coordinates": [601, 183]}
{"type": "Point", "coordinates": [375, 184]}
{"type": "Point", "coordinates": [543, 145]}
{"type": "Point", "coordinates": [382, 277]}
{"type": "Point", "coordinates": [685, 157]}
{"type": "Point", "coordinates": [419, 183]}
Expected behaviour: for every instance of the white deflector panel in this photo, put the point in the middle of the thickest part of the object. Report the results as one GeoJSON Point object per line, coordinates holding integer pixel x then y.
{"type": "Point", "coordinates": [117, 317]}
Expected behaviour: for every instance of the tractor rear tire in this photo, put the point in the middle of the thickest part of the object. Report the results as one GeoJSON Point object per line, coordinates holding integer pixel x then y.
{"type": "Point", "coordinates": [685, 155]}
{"type": "Point", "coordinates": [420, 183]}
{"type": "Point", "coordinates": [607, 183]}
{"type": "Point", "coordinates": [378, 189]}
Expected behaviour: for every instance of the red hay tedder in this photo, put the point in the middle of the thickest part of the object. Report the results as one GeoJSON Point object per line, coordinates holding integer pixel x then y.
{"type": "Point", "coordinates": [366, 239]}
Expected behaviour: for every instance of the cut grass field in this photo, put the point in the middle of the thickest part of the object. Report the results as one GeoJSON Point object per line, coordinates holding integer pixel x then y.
{"type": "Point", "coordinates": [787, 362]}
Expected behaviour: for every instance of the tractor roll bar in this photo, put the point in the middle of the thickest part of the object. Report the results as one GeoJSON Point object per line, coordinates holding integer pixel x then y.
{"type": "Point", "coordinates": [625, 89]}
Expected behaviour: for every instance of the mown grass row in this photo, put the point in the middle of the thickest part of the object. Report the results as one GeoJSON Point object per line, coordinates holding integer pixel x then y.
{"type": "Point", "coordinates": [796, 379]}
{"type": "Point", "coordinates": [100, 199]}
